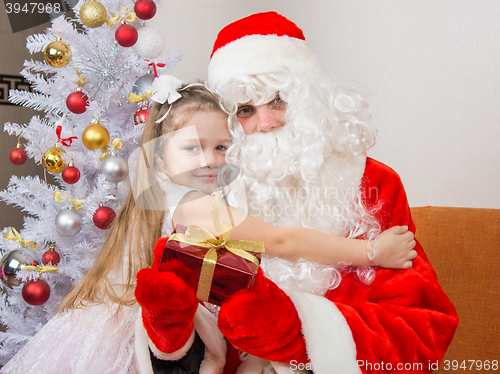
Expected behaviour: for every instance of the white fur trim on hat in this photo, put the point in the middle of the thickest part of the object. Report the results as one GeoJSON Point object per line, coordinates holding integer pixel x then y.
{"type": "Point", "coordinates": [261, 54]}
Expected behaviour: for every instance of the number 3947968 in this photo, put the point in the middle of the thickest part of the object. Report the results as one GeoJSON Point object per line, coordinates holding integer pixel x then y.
{"type": "Point", "coordinates": [32, 8]}
{"type": "Point", "coordinates": [470, 365]}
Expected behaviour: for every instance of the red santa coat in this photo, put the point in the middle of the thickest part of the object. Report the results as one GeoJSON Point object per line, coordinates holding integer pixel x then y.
{"type": "Point", "coordinates": [403, 318]}
{"type": "Point", "coordinates": [402, 321]}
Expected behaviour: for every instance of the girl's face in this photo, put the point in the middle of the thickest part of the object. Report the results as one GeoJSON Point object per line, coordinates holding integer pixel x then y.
{"type": "Point", "coordinates": [196, 152]}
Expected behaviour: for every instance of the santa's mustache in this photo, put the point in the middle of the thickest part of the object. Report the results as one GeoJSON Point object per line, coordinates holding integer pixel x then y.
{"type": "Point", "coordinates": [269, 155]}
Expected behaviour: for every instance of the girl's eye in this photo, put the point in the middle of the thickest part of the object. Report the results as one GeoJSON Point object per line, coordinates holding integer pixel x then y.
{"type": "Point", "coordinates": [244, 112]}
{"type": "Point", "coordinates": [221, 148]}
{"type": "Point", "coordinates": [192, 148]}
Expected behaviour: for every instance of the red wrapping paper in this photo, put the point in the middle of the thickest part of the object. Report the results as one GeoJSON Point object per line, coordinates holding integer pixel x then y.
{"type": "Point", "coordinates": [232, 273]}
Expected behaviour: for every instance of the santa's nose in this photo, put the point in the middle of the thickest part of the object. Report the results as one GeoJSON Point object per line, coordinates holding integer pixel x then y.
{"type": "Point", "coordinates": [266, 120]}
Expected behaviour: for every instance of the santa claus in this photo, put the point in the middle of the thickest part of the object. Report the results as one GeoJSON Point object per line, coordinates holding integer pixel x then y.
{"type": "Point", "coordinates": [300, 142]}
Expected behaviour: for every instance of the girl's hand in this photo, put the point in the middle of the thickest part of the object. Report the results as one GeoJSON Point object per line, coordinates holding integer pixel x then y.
{"type": "Point", "coordinates": [394, 248]}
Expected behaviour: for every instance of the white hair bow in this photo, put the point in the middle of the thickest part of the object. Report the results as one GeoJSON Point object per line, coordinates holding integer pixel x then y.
{"type": "Point", "coordinates": [165, 88]}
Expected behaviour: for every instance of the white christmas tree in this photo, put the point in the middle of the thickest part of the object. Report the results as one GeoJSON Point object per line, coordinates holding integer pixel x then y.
{"type": "Point", "coordinates": [106, 72]}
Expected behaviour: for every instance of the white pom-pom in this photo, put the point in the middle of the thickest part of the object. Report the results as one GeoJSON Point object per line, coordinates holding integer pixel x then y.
{"type": "Point", "coordinates": [150, 43]}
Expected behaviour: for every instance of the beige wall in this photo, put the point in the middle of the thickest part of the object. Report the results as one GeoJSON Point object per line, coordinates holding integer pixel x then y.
{"type": "Point", "coordinates": [13, 53]}
{"type": "Point", "coordinates": [431, 69]}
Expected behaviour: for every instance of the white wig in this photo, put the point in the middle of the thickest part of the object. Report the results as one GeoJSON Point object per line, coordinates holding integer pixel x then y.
{"type": "Point", "coordinates": [307, 172]}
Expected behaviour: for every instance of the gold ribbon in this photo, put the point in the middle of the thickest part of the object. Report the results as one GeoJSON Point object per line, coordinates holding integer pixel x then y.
{"type": "Point", "coordinates": [200, 237]}
{"type": "Point", "coordinates": [14, 235]}
{"type": "Point", "coordinates": [129, 16]}
{"type": "Point", "coordinates": [134, 98]}
{"type": "Point", "coordinates": [77, 203]}
{"type": "Point", "coordinates": [81, 79]}
{"type": "Point", "coordinates": [117, 144]}
{"type": "Point", "coordinates": [42, 269]}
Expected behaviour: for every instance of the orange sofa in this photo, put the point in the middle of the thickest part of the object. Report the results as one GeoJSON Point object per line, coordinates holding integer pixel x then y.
{"type": "Point", "coordinates": [463, 245]}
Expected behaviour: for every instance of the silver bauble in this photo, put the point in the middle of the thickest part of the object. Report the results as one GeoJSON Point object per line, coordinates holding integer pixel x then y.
{"type": "Point", "coordinates": [142, 84]}
{"type": "Point", "coordinates": [13, 262]}
{"type": "Point", "coordinates": [115, 168]}
{"type": "Point", "coordinates": [68, 222]}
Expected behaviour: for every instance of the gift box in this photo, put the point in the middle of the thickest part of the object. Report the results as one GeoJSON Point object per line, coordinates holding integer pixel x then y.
{"type": "Point", "coordinates": [221, 275]}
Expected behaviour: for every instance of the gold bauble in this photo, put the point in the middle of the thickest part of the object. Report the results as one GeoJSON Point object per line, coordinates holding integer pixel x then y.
{"type": "Point", "coordinates": [95, 136]}
{"type": "Point", "coordinates": [57, 54]}
{"type": "Point", "coordinates": [93, 14]}
{"type": "Point", "coordinates": [52, 160]}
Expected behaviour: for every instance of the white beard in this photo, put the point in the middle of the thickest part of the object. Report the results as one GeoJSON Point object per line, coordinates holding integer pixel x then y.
{"type": "Point", "coordinates": [287, 184]}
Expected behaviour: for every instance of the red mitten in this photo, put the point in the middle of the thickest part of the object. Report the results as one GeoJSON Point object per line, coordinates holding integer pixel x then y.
{"type": "Point", "coordinates": [264, 323]}
{"type": "Point", "coordinates": [168, 303]}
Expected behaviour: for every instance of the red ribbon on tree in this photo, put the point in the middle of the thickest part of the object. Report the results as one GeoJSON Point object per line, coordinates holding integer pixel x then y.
{"type": "Point", "coordinates": [160, 65]}
{"type": "Point", "coordinates": [66, 142]}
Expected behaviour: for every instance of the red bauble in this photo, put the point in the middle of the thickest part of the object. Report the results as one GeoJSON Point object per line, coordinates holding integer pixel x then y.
{"type": "Point", "coordinates": [126, 35]}
{"type": "Point", "coordinates": [18, 156]}
{"type": "Point", "coordinates": [141, 115]}
{"type": "Point", "coordinates": [145, 9]}
{"type": "Point", "coordinates": [51, 258]}
{"type": "Point", "coordinates": [103, 217]}
{"type": "Point", "coordinates": [71, 175]}
{"type": "Point", "coordinates": [77, 102]}
{"type": "Point", "coordinates": [36, 292]}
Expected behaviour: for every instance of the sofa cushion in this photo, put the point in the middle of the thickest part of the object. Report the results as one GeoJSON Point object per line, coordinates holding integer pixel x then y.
{"type": "Point", "coordinates": [463, 245]}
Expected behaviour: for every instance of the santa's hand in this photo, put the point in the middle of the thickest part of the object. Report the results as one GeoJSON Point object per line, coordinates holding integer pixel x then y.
{"type": "Point", "coordinates": [168, 305]}
{"type": "Point", "coordinates": [393, 248]}
{"type": "Point", "coordinates": [264, 323]}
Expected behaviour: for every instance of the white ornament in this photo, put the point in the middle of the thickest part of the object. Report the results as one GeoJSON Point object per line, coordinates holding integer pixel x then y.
{"type": "Point", "coordinates": [150, 43]}
{"type": "Point", "coordinates": [115, 168]}
{"type": "Point", "coordinates": [68, 222]}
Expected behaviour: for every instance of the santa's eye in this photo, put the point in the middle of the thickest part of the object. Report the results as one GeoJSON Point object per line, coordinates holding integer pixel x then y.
{"type": "Point", "coordinates": [278, 103]}
{"type": "Point", "coordinates": [244, 111]}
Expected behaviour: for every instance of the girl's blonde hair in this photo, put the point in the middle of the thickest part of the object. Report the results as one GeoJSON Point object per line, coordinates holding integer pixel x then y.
{"type": "Point", "coordinates": [138, 225]}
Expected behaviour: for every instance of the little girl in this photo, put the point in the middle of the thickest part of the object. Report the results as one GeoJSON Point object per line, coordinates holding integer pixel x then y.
{"type": "Point", "coordinates": [100, 327]}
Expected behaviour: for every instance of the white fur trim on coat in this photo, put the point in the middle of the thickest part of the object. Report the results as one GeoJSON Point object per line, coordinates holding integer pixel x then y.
{"type": "Point", "coordinates": [329, 342]}
{"type": "Point", "coordinates": [261, 54]}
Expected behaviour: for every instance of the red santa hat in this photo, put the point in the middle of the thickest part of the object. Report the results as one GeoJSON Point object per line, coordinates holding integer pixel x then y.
{"type": "Point", "coordinates": [259, 44]}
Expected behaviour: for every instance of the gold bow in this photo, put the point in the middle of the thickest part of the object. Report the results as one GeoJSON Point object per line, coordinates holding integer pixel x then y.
{"type": "Point", "coordinates": [134, 98]}
{"type": "Point", "coordinates": [129, 16]}
{"type": "Point", "coordinates": [42, 269]}
{"type": "Point", "coordinates": [117, 144]}
{"type": "Point", "coordinates": [77, 203]}
{"type": "Point", "coordinates": [200, 237]}
{"type": "Point", "coordinates": [81, 79]}
{"type": "Point", "coordinates": [14, 235]}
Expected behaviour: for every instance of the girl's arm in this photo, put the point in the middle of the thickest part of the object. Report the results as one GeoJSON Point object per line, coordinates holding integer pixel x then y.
{"type": "Point", "coordinates": [394, 246]}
